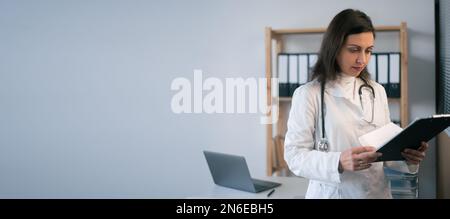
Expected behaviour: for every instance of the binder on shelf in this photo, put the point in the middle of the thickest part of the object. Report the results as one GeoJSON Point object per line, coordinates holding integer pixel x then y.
{"type": "Point", "coordinates": [283, 80]}
{"type": "Point", "coordinates": [293, 73]}
{"type": "Point", "coordinates": [394, 75]}
{"type": "Point", "coordinates": [303, 60]}
{"type": "Point", "coordinates": [312, 60]}
{"type": "Point", "coordinates": [383, 70]}
{"type": "Point", "coordinates": [372, 67]}
{"type": "Point", "coordinates": [294, 70]}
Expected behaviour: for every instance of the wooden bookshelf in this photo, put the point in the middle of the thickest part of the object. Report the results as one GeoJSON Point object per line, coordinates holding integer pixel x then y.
{"type": "Point", "coordinates": [276, 36]}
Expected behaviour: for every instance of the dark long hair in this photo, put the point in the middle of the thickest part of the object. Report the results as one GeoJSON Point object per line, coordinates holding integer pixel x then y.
{"type": "Point", "coordinates": [345, 23]}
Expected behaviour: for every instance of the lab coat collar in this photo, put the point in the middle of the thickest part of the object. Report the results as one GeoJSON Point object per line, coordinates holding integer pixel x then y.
{"type": "Point", "coordinates": [341, 86]}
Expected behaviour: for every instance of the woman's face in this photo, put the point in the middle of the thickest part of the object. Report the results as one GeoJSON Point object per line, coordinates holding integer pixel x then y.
{"type": "Point", "coordinates": [355, 53]}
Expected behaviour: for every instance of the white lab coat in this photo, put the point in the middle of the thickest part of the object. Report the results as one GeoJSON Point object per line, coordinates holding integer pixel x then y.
{"type": "Point", "coordinates": [344, 124]}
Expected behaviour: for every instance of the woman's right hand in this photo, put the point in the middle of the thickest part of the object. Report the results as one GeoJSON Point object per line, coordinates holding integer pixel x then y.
{"type": "Point", "coordinates": [358, 158]}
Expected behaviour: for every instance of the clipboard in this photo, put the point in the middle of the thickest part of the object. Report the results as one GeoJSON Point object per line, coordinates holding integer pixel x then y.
{"type": "Point", "coordinates": [423, 129]}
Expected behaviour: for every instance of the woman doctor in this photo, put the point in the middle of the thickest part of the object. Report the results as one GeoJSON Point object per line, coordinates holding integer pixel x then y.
{"type": "Point", "coordinates": [330, 113]}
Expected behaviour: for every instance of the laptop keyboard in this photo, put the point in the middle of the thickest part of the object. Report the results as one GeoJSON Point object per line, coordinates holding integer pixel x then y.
{"type": "Point", "coordinates": [262, 185]}
{"type": "Point", "coordinates": [259, 187]}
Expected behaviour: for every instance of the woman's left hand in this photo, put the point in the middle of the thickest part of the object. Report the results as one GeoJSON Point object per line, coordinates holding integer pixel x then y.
{"type": "Point", "coordinates": [415, 156]}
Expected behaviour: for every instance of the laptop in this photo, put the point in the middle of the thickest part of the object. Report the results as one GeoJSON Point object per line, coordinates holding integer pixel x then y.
{"type": "Point", "coordinates": [232, 171]}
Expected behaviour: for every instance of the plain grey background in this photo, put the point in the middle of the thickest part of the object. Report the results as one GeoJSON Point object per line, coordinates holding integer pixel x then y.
{"type": "Point", "coordinates": [85, 89]}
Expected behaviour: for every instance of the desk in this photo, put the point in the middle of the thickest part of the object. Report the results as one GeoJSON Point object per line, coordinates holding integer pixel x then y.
{"type": "Point", "coordinates": [290, 188]}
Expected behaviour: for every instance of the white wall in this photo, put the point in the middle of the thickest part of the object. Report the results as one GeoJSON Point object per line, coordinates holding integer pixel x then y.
{"type": "Point", "coordinates": [85, 89]}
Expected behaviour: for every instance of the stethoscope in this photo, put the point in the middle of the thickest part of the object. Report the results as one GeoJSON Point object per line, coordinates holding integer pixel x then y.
{"type": "Point", "coordinates": [323, 143]}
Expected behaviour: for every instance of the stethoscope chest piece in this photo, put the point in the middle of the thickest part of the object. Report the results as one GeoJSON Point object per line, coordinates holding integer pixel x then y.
{"type": "Point", "coordinates": [323, 145]}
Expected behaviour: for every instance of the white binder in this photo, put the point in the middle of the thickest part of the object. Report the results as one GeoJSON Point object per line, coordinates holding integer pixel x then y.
{"type": "Point", "coordinates": [293, 69]}
{"type": "Point", "coordinates": [312, 60]}
{"type": "Point", "coordinates": [382, 60]}
{"type": "Point", "coordinates": [282, 69]}
{"type": "Point", "coordinates": [371, 67]}
{"type": "Point", "coordinates": [394, 68]}
{"type": "Point", "coordinates": [303, 65]}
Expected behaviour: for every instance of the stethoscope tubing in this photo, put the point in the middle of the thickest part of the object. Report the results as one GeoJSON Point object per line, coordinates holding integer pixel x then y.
{"type": "Point", "coordinates": [323, 144]}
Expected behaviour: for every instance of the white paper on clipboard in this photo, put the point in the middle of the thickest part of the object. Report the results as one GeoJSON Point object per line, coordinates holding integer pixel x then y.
{"type": "Point", "coordinates": [380, 136]}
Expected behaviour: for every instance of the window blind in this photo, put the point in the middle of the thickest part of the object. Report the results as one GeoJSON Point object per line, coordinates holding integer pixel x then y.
{"type": "Point", "coordinates": [443, 20]}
